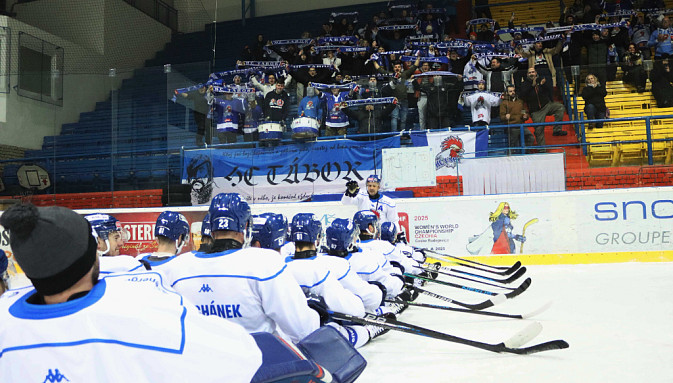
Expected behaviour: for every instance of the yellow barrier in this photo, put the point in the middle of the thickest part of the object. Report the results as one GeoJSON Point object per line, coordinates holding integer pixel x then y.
{"type": "Point", "coordinates": [571, 259]}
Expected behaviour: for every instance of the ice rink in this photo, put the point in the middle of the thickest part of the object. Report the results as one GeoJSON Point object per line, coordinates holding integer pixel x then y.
{"type": "Point", "coordinates": [617, 318]}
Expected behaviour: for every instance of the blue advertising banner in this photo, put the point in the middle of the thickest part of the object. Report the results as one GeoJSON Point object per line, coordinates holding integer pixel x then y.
{"type": "Point", "coordinates": [283, 173]}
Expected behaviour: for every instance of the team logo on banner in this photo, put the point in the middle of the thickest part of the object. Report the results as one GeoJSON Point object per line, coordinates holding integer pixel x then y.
{"type": "Point", "coordinates": [452, 150]}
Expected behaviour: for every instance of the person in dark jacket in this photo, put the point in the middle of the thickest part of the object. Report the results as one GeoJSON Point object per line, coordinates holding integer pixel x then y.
{"type": "Point", "coordinates": [370, 117]}
{"type": "Point", "coordinates": [443, 94]}
{"type": "Point", "coordinates": [593, 95]}
{"type": "Point", "coordinates": [661, 77]}
{"type": "Point", "coordinates": [597, 53]}
{"type": "Point", "coordinates": [537, 92]}
{"type": "Point", "coordinates": [632, 65]}
{"type": "Point", "coordinates": [276, 104]}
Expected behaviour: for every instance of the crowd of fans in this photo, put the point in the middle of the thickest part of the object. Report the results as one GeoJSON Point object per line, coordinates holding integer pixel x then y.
{"type": "Point", "coordinates": [370, 75]}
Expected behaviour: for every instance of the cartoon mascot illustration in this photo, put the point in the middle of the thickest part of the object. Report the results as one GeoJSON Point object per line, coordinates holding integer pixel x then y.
{"type": "Point", "coordinates": [502, 239]}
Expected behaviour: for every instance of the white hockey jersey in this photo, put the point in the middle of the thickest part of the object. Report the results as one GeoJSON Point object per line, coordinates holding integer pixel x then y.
{"type": "Point", "coordinates": [248, 286]}
{"type": "Point", "coordinates": [384, 206]}
{"type": "Point", "coordinates": [316, 278]}
{"type": "Point", "coordinates": [392, 254]}
{"type": "Point", "coordinates": [372, 266]}
{"type": "Point", "coordinates": [119, 264]}
{"type": "Point", "coordinates": [480, 104]}
{"type": "Point", "coordinates": [370, 295]}
{"type": "Point", "coordinates": [128, 328]}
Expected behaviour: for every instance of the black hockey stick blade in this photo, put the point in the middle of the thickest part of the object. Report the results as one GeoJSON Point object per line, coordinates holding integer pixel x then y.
{"type": "Point", "coordinates": [484, 281]}
{"type": "Point", "coordinates": [497, 272]}
{"type": "Point", "coordinates": [523, 287]}
{"type": "Point", "coordinates": [508, 269]}
{"type": "Point", "coordinates": [508, 280]}
{"type": "Point", "coordinates": [476, 306]}
{"type": "Point", "coordinates": [508, 346]}
{"type": "Point", "coordinates": [468, 311]}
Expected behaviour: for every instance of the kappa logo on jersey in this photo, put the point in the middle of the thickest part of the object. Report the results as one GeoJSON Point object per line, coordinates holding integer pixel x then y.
{"type": "Point", "coordinates": [205, 289]}
{"type": "Point", "coordinates": [55, 377]}
{"type": "Point", "coordinates": [452, 152]}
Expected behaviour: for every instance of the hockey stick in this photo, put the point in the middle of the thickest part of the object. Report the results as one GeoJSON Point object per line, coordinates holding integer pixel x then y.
{"type": "Point", "coordinates": [474, 280]}
{"type": "Point", "coordinates": [477, 306]}
{"type": "Point", "coordinates": [435, 269]}
{"type": "Point", "coordinates": [511, 345]}
{"type": "Point", "coordinates": [437, 264]}
{"type": "Point", "coordinates": [507, 269]}
{"type": "Point", "coordinates": [487, 313]}
{"type": "Point", "coordinates": [523, 287]}
{"type": "Point", "coordinates": [523, 232]}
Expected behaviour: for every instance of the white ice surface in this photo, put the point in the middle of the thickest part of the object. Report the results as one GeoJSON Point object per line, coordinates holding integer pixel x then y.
{"type": "Point", "coordinates": [617, 318]}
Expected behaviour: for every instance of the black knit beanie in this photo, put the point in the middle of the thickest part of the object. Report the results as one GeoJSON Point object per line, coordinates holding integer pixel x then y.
{"type": "Point", "coordinates": [53, 245]}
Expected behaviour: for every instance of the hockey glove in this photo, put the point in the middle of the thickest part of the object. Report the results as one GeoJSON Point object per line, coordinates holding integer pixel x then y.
{"type": "Point", "coordinates": [318, 304]}
{"type": "Point", "coordinates": [402, 237]}
{"type": "Point", "coordinates": [409, 294]}
{"type": "Point", "coordinates": [384, 291]}
{"type": "Point", "coordinates": [352, 188]}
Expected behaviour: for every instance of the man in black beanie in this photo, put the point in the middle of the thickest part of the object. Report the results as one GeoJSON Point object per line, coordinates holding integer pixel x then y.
{"type": "Point", "coordinates": [75, 327]}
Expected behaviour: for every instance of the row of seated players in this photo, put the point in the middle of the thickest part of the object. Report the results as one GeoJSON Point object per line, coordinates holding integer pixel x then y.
{"type": "Point", "coordinates": [287, 289]}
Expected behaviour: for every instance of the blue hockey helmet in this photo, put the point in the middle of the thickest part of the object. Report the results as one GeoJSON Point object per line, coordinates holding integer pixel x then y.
{"type": "Point", "coordinates": [374, 178]}
{"type": "Point", "coordinates": [270, 230]}
{"type": "Point", "coordinates": [389, 232]}
{"type": "Point", "coordinates": [205, 227]}
{"type": "Point", "coordinates": [341, 234]}
{"type": "Point", "coordinates": [171, 225]}
{"type": "Point", "coordinates": [363, 219]}
{"type": "Point", "coordinates": [102, 225]}
{"type": "Point", "coordinates": [305, 227]}
{"type": "Point", "coordinates": [230, 211]}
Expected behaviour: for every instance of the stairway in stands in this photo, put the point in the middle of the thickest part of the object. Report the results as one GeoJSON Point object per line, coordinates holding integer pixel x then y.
{"type": "Point", "coordinates": [132, 140]}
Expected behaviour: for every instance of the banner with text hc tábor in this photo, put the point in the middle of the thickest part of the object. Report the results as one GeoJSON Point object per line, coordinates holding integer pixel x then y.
{"type": "Point", "coordinates": [283, 173]}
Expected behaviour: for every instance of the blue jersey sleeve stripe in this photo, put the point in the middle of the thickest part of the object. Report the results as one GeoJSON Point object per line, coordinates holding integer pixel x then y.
{"type": "Point", "coordinates": [346, 273]}
{"type": "Point", "coordinates": [317, 283]}
{"type": "Point", "coordinates": [230, 276]}
{"type": "Point", "coordinates": [369, 273]}
{"type": "Point", "coordinates": [178, 350]}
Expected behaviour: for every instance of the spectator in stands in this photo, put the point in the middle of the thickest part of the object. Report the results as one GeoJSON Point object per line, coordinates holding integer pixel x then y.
{"type": "Point", "coordinates": [541, 59]}
{"type": "Point", "coordinates": [597, 53]}
{"type": "Point", "coordinates": [311, 105]}
{"type": "Point", "coordinates": [270, 83]}
{"type": "Point", "coordinates": [370, 117]}
{"type": "Point", "coordinates": [620, 38]}
{"type": "Point", "coordinates": [304, 76]}
{"type": "Point", "coordinates": [331, 59]}
{"type": "Point", "coordinates": [443, 94]}
{"type": "Point", "coordinates": [228, 114]}
{"type": "Point", "coordinates": [661, 78]}
{"type": "Point", "coordinates": [498, 75]}
{"type": "Point", "coordinates": [399, 90]}
{"type": "Point", "coordinates": [480, 103]}
{"type": "Point", "coordinates": [457, 63]}
{"type": "Point", "coordinates": [253, 116]}
{"type": "Point", "coordinates": [612, 63]}
{"type": "Point", "coordinates": [336, 120]}
{"type": "Point", "coordinates": [593, 95]}
{"type": "Point", "coordinates": [538, 94]}
{"type": "Point", "coordinates": [201, 98]}
{"type": "Point", "coordinates": [258, 51]}
{"type": "Point", "coordinates": [420, 85]}
{"type": "Point", "coordinates": [632, 65]}
{"type": "Point", "coordinates": [661, 39]}
{"type": "Point", "coordinates": [640, 35]}
{"type": "Point", "coordinates": [276, 104]}
{"type": "Point", "coordinates": [512, 112]}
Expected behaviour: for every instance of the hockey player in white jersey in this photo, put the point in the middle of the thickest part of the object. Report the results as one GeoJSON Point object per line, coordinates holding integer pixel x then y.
{"type": "Point", "coordinates": [370, 266]}
{"type": "Point", "coordinates": [269, 231]}
{"type": "Point", "coordinates": [206, 237]}
{"type": "Point", "coordinates": [369, 231]}
{"type": "Point", "coordinates": [314, 276]}
{"type": "Point", "coordinates": [171, 233]}
{"type": "Point", "coordinates": [384, 206]}
{"type": "Point", "coordinates": [398, 253]}
{"type": "Point", "coordinates": [249, 286]}
{"type": "Point", "coordinates": [74, 327]}
{"type": "Point", "coordinates": [110, 237]}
